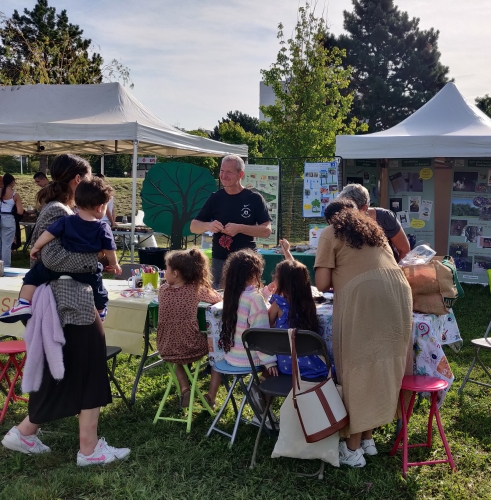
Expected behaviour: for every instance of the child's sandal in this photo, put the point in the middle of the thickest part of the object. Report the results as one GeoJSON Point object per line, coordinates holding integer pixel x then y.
{"type": "Point", "coordinates": [185, 398]}
{"type": "Point", "coordinates": [209, 401]}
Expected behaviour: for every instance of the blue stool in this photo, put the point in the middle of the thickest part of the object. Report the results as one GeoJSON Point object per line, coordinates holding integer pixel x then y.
{"type": "Point", "coordinates": [239, 375]}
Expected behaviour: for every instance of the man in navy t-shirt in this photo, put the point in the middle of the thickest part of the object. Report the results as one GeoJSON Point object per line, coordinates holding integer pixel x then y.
{"type": "Point", "coordinates": [236, 215]}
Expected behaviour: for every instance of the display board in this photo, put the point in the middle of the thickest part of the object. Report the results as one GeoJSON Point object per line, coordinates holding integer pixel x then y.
{"type": "Point", "coordinates": [320, 187]}
{"type": "Point", "coordinates": [365, 172]}
{"type": "Point", "coordinates": [411, 198]}
{"type": "Point", "coordinates": [265, 180]}
{"type": "Point", "coordinates": [469, 241]}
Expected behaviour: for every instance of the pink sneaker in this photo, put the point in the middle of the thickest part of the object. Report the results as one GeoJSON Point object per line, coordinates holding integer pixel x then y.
{"type": "Point", "coordinates": [103, 454]}
{"type": "Point", "coordinates": [30, 445]}
{"type": "Point", "coordinates": [21, 311]}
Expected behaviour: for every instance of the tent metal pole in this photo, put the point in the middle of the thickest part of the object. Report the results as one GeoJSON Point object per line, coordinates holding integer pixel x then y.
{"type": "Point", "coordinates": [133, 199]}
{"type": "Point", "coordinates": [102, 164]}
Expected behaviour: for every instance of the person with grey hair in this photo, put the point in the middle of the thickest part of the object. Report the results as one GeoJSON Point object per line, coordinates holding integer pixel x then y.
{"type": "Point", "coordinates": [235, 215]}
{"type": "Point", "coordinates": [384, 218]}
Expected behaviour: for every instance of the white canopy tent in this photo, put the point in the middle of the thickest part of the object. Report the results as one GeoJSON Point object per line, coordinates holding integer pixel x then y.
{"type": "Point", "coordinates": [96, 119]}
{"type": "Point", "coordinates": [446, 126]}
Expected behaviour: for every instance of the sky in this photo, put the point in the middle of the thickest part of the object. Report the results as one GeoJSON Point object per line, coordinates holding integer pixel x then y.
{"type": "Point", "coordinates": [192, 61]}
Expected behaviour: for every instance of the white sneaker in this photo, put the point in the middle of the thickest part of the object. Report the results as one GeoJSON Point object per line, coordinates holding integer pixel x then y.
{"type": "Point", "coordinates": [368, 447]}
{"type": "Point", "coordinates": [30, 445]}
{"type": "Point", "coordinates": [103, 454]}
{"type": "Point", "coordinates": [22, 310]}
{"type": "Point", "coordinates": [351, 458]}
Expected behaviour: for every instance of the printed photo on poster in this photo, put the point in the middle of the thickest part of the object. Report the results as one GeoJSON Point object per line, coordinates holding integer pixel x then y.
{"type": "Point", "coordinates": [457, 227]}
{"type": "Point", "coordinates": [403, 218]}
{"type": "Point", "coordinates": [484, 242]}
{"type": "Point", "coordinates": [458, 250]}
{"type": "Point", "coordinates": [465, 181]}
{"type": "Point", "coordinates": [462, 207]}
{"type": "Point", "coordinates": [398, 183]}
{"type": "Point", "coordinates": [414, 182]}
{"type": "Point", "coordinates": [471, 233]}
{"type": "Point", "coordinates": [481, 263]}
{"type": "Point", "coordinates": [395, 204]}
{"type": "Point", "coordinates": [354, 180]}
{"type": "Point", "coordinates": [463, 264]}
{"type": "Point", "coordinates": [425, 211]}
{"type": "Point", "coordinates": [414, 203]}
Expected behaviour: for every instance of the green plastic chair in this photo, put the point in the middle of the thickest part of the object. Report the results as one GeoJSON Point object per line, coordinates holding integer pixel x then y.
{"type": "Point", "coordinates": [195, 394]}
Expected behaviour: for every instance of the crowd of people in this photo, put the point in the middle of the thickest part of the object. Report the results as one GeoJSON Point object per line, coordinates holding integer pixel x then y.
{"type": "Point", "coordinates": [357, 257]}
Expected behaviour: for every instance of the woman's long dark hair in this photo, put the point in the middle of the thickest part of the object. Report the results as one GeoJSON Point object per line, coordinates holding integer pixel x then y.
{"type": "Point", "coordinates": [7, 180]}
{"type": "Point", "coordinates": [293, 283]}
{"type": "Point", "coordinates": [65, 168]}
{"type": "Point", "coordinates": [352, 226]}
{"type": "Point", "coordinates": [241, 268]}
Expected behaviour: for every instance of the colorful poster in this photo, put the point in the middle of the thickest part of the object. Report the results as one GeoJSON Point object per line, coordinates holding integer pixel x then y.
{"type": "Point", "coordinates": [265, 180]}
{"type": "Point", "coordinates": [314, 232]}
{"type": "Point", "coordinates": [411, 196]}
{"type": "Point", "coordinates": [469, 241]}
{"type": "Point", "coordinates": [320, 187]}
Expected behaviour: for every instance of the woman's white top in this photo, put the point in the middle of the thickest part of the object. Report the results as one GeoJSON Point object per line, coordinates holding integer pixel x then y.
{"type": "Point", "coordinates": [6, 206]}
{"type": "Point", "coordinates": [110, 206]}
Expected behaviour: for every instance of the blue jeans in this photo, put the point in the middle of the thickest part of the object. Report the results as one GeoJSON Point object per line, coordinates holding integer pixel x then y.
{"type": "Point", "coordinates": [7, 230]}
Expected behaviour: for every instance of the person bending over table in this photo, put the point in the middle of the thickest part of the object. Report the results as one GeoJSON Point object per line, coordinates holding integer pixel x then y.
{"type": "Point", "coordinates": [372, 322]}
{"type": "Point", "coordinates": [384, 218]}
{"type": "Point", "coordinates": [236, 215]}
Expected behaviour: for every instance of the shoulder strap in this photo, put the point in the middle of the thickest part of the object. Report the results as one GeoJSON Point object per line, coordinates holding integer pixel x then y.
{"type": "Point", "coordinates": [448, 264]}
{"type": "Point", "coordinates": [295, 370]}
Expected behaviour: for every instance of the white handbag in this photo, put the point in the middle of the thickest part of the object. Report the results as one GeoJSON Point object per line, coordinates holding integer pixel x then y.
{"type": "Point", "coordinates": [320, 409]}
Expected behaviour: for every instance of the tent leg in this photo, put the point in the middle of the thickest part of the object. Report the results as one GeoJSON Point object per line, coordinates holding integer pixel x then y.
{"type": "Point", "coordinates": [102, 164]}
{"type": "Point", "coordinates": [133, 200]}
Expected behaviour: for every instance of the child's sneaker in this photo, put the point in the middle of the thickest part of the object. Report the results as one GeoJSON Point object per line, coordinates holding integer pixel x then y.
{"type": "Point", "coordinates": [103, 454]}
{"type": "Point", "coordinates": [30, 445]}
{"type": "Point", "coordinates": [351, 458]}
{"type": "Point", "coordinates": [368, 447]}
{"type": "Point", "coordinates": [21, 311]}
{"type": "Point", "coordinates": [103, 314]}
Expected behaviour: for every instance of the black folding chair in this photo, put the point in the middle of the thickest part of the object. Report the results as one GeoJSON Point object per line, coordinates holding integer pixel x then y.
{"type": "Point", "coordinates": [274, 341]}
{"type": "Point", "coordinates": [111, 354]}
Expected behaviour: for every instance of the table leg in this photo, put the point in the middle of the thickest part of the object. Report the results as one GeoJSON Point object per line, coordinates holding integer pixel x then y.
{"type": "Point", "coordinates": [146, 343]}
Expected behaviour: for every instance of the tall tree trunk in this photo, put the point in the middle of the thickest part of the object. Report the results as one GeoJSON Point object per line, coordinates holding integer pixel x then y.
{"type": "Point", "coordinates": [176, 234]}
{"type": "Point", "coordinates": [43, 163]}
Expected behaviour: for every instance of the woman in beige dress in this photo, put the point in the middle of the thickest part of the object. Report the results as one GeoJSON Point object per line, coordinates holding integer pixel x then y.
{"type": "Point", "coordinates": [371, 322]}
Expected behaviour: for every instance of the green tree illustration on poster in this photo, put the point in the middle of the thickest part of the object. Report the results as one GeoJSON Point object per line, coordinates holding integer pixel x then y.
{"type": "Point", "coordinates": [172, 195]}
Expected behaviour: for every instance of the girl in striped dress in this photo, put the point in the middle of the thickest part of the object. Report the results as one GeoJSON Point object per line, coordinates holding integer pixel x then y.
{"type": "Point", "coordinates": [243, 307]}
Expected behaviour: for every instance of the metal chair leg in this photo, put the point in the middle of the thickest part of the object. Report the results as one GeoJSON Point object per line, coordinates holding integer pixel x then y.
{"type": "Point", "coordinates": [258, 437]}
{"type": "Point", "coordinates": [468, 374]}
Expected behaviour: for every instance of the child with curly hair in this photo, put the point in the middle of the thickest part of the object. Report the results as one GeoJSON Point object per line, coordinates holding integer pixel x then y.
{"type": "Point", "coordinates": [179, 339]}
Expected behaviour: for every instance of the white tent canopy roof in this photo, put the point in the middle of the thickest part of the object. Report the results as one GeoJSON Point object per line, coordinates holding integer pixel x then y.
{"type": "Point", "coordinates": [447, 125]}
{"type": "Point", "coordinates": [95, 119]}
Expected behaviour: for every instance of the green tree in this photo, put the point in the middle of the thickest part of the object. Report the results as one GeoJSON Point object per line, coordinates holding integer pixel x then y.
{"type": "Point", "coordinates": [172, 195]}
{"type": "Point", "coordinates": [396, 66]}
{"type": "Point", "coordinates": [312, 103]}
{"type": "Point", "coordinates": [484, 104]}
{"type": "Point", "coordinates": [247, 122]}
{"type": "Point", "coordinates": [233, 133]}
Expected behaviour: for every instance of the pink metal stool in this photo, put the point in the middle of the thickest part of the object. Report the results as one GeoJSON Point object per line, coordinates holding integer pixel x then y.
{"type": "Point", "coordinates": [415, 384]}
{"type": "Point", "coordinates": [11, 348]}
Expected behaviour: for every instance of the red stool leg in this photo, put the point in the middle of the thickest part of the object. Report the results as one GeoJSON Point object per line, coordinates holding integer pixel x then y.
{"type": "Point", "coordinates": [11, 383]}
{"type": "Point", "coordinates": [404, 415]}
{"type": "Point", "coordinates": [433, 410]}
{"type": "Point", "coordinates": [444, 439]}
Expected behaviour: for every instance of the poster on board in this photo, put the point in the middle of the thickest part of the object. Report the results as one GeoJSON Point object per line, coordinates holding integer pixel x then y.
{"type": "Point", "coordinates": [366, 173]}
{"type": "Point", "coordinates": [411, 197]}
{"type": "Point", "coordinates": [320, 187]}
{"type": "Point", "coordinates": [469, 241]}
{"type": "Point", "coordinates": [265, 180]}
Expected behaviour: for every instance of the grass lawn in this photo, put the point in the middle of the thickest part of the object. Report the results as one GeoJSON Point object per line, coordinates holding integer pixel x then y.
{"type": "Point", "coordinates": [27, 190]}
{"type": "Point", "coordinates": [167, 463]}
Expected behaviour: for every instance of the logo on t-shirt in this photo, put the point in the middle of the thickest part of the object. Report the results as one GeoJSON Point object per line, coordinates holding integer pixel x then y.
{"type": "Point", "coordinates": [246, 212]}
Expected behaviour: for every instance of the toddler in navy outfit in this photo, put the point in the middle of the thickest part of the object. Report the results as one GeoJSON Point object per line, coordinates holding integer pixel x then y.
{"type": "Point", "coordinates": [83, 232]}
